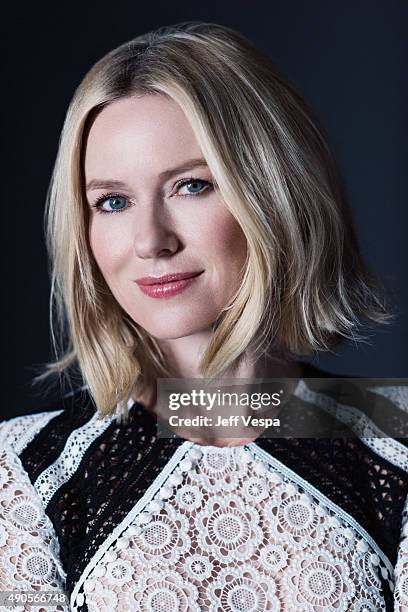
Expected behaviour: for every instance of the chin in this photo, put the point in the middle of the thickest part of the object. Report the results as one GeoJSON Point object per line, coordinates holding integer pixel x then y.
{"type": "Point", "coordinates": [168, 331]}
{"type": "Point", "coordinates": [172, 334]}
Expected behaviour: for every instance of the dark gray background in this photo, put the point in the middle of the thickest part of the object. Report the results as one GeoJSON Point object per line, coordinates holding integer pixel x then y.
{"type": "Point", "coordinates": [347, 58]}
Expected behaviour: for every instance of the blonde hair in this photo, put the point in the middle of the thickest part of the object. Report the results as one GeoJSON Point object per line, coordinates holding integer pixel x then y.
{"type": "Point", "coordinates": [305, 284]}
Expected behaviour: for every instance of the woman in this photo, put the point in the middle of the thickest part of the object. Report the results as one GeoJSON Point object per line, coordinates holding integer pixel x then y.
{"type": "Point", "coordinates": [197, 228]}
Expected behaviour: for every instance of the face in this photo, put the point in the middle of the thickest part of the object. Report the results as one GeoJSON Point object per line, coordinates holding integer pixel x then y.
{"type": "Point", "coordinates": [154, 211]}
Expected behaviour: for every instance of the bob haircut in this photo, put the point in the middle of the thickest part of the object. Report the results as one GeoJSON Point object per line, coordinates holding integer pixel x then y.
{"type": "Point", "coordinates": [304, 285]}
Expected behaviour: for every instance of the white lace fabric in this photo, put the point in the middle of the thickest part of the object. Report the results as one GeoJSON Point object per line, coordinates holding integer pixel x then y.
{"type": "Point", "coordinates": [218, 530]}
{"type": "Point", "coordinates": [29, 551]}
{"type": "Point", "coordinates": [19, 431]}
{"type": "Point", "coordinates": [227, 533]}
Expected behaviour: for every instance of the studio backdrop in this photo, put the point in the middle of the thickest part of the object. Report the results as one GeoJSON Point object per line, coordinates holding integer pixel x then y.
{"type": "Point", "coordinates": [348, 59]}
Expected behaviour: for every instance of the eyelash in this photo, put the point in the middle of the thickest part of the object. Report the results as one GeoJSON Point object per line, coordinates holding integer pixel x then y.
{"type": "Point", "coordinates": [105, 196]}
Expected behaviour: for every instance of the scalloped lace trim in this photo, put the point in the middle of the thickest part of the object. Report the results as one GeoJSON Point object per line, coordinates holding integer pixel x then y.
{"type": "Point", "coordinates": [398, 394]}
{"type": "Point", "coordinates": [371, 435]}
{"type": "Point", "coordinates": [63, 468]}
{"type": "Point", "coordinates": [20, 430]}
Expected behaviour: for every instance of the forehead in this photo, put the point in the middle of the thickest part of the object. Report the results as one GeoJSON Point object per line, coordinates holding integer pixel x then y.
{"type": "Point", "coordinates": [138, 132]}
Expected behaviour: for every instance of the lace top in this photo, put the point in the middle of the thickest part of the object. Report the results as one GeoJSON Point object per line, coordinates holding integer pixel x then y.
{"type": "Point", "coordinates": [121, 520]}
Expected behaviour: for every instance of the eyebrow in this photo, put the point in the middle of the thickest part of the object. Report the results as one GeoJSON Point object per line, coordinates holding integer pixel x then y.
{"type": "Point", "coordinates": [111, 184]}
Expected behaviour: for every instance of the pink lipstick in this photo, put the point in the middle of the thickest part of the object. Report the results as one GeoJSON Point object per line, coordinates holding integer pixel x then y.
{"type": "Point", "coordinates": [167, 285]}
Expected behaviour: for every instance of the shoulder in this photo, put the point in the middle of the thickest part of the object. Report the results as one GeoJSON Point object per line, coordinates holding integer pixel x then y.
{"type": "Point", "coordinates": [53, 442]}
{"type": "Point", "coordinates": [394, 389]}
{"type": "Point", "coordinates": [374, 409]}
{"type": "Point", "coordinates": [27, 535]}
{"type": "Point", "coordinates": [18, 432]}
{"type": "Point", "coordinates": [26, 530]}
{"type": "Point", "coordinates": [309, 370]}
{"type": "Point", "coordinates": [384, 393]}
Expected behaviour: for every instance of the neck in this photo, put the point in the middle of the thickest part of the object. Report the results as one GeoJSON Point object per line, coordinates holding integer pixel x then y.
{"type": "Point", "coordinates": [184, 355]}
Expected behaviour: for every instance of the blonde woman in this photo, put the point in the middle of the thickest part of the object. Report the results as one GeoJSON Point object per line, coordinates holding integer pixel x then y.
{"type": "Point", "coordinates": [197, 228]}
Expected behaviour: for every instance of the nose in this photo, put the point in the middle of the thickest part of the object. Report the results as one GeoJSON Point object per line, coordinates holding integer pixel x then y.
{"type": "Point", "coordinates": [154, 236]}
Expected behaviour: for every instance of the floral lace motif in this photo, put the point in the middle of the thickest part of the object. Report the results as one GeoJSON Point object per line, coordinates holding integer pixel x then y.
{"type": "Point", "coordinates": [226, 532]}
{"type": "Point", "coordinates": [29, 550]}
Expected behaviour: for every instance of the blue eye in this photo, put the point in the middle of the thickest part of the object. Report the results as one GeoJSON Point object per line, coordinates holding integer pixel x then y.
{"type": "Point", "coordinates": [196, 185]}
{"type": "Point", "coordinates": [114, 202]}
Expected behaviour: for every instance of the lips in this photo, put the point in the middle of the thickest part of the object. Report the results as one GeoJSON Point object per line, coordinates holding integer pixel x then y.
{"type": "Point", "coordinates": [167, 286]}
{"type": "Point", "coordinates": [167, 278]}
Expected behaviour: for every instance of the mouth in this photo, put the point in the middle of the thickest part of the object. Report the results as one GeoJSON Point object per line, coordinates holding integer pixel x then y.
{"type": "Point", "coordinates": [168, 285]}
{"type": "Point", "coordinates": [167, 278]}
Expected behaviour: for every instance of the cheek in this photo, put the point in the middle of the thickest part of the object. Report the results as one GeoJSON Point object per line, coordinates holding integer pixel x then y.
{"type": "Point", "coordinates": [108, 248]}
{"type": "Point", "coordinates": [226, 241]}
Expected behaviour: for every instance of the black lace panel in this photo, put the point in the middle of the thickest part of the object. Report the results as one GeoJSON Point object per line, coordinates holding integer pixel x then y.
{"type": "Point", "coordinates": [50, 441]}
{"type": "Point", "coordinates": [114, 474]}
